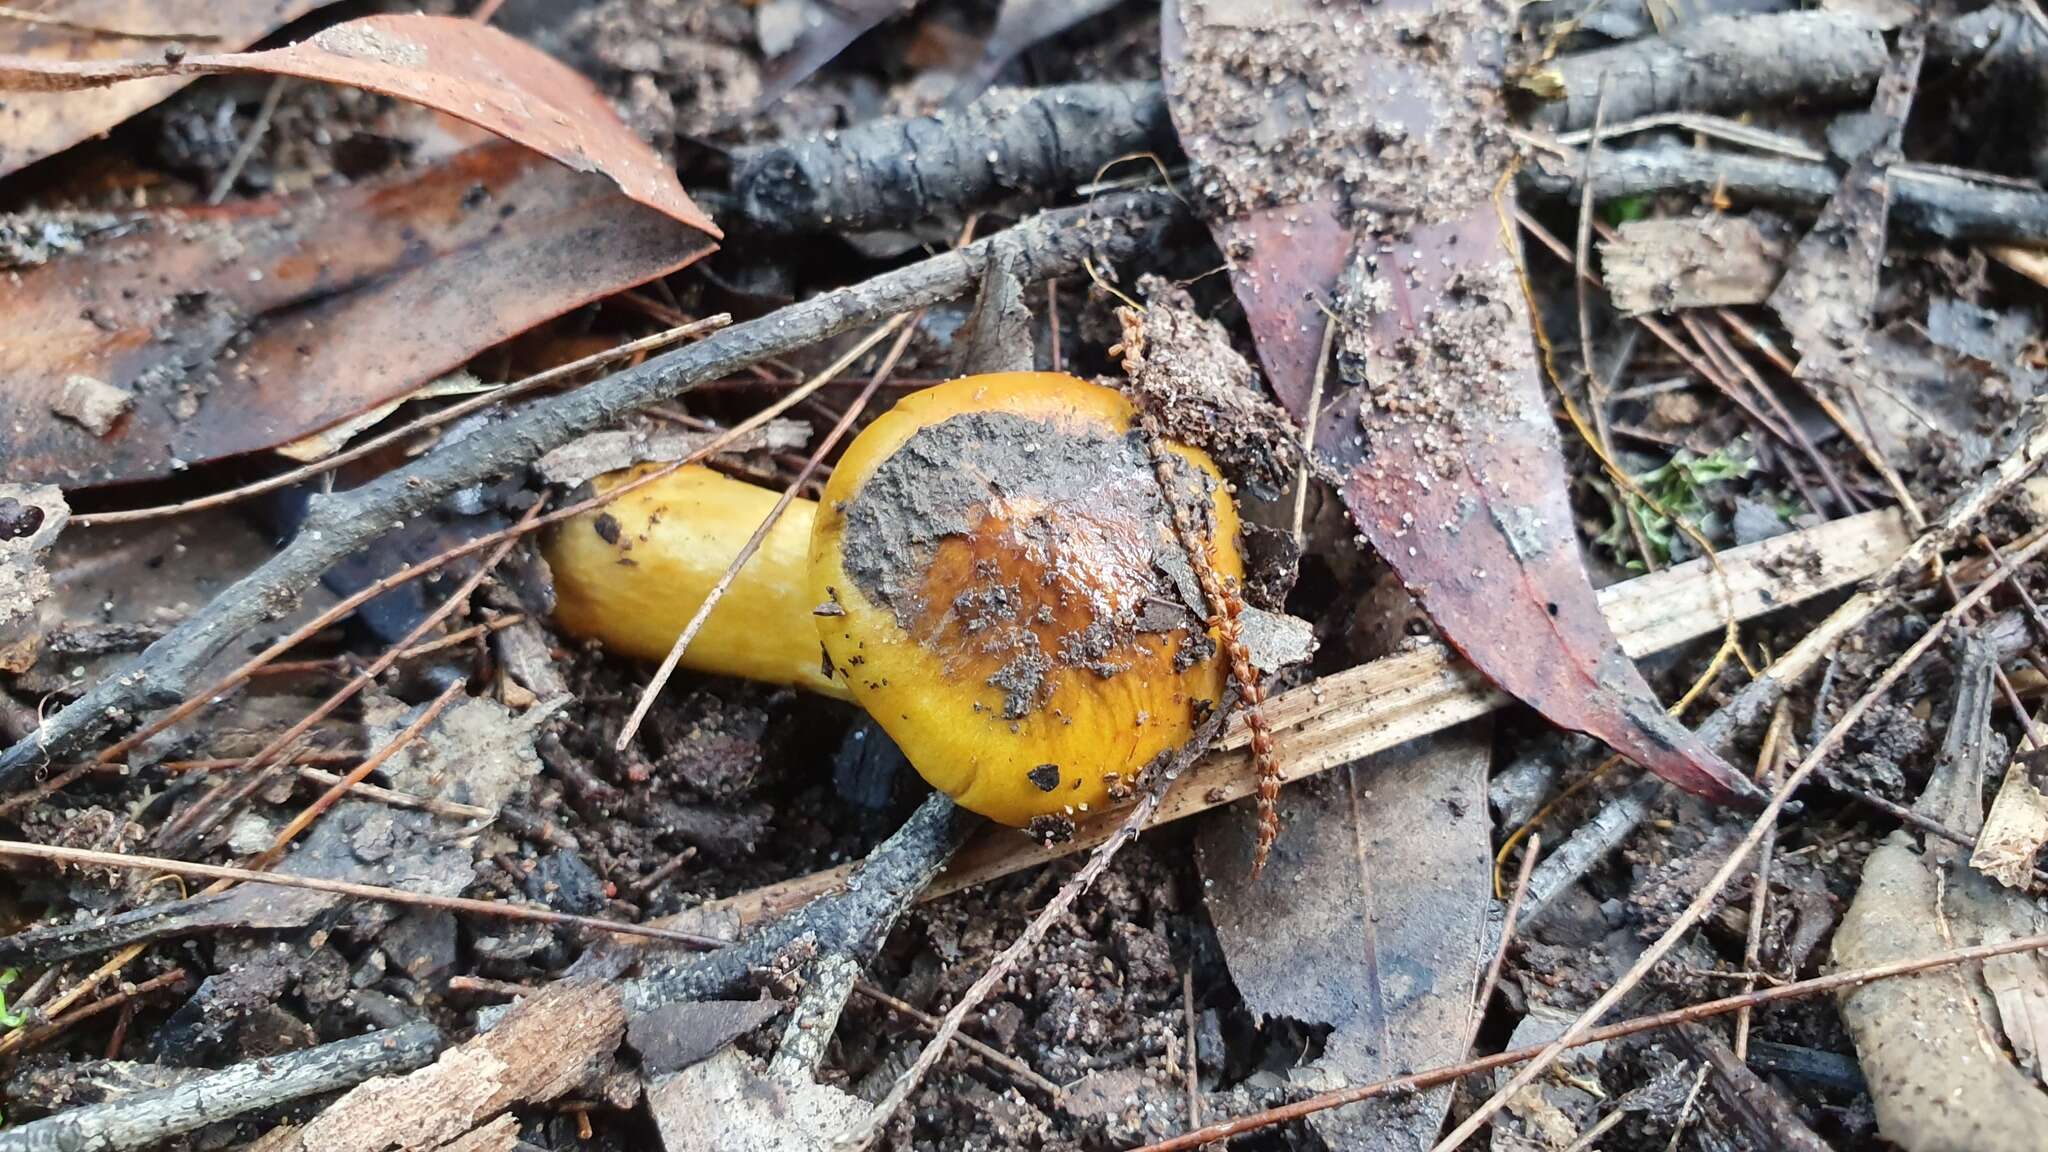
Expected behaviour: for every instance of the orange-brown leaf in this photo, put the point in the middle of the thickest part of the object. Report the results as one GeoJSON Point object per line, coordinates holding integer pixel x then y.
{"type": "Point", "coordinates": [250, 325]}
{"type": "Point", "coordinates": [35, 125]}
{"type": "Point", "coordinates": [471, 71]}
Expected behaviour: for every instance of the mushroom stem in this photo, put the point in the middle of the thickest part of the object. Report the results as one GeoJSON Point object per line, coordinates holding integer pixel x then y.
{"type": "Point", "coordinates": [633, 574]}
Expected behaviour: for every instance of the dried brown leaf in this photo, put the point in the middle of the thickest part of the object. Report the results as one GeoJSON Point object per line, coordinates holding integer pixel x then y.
{"type": "Point", "coordinates": [252, 325]}
{"type": "Point", "coordinates": [1377, 132]}
{"type": "Point", "coordinates": [1388, 943]}
{"type": "Point", "coordinates": [471, 71]}
{"type": "Point", "coordinates": [2017, 825]}
{"type": "Point", "coordinates": [38, 124]}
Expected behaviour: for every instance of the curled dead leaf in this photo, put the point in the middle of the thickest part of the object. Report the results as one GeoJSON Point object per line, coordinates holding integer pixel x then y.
{"type": "Point", "coordinates": [38, 124]}
{"type": "Point", "coordinates": [471, 71]}
{"type": "Point", "coordinates": [251, 325]}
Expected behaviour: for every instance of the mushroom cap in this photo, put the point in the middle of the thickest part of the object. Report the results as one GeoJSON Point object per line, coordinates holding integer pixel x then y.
{"type": "Point", "coordinates": [1013, 604]}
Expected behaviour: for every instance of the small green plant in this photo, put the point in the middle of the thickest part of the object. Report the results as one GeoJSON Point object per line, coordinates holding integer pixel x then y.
{"type": "Point", "coordinates": [1677, 486]}
{"type": "Point", "coordinates": [1623, 209]}
{"type": "Point", "coordinates": [9, 1020]}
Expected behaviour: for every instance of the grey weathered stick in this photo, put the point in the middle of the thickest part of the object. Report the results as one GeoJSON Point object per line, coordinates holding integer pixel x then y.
{"type": "Point", "coordinates": [1732, 63]}
{"type": "Point", "coordinates": [1932, 204]}
{"type": "Point", "coordinates": [148, 1118]}
{"type": "Point", "coordinates": [1717, 65]}
{"type": "Point", "coordinates": [894, 172]}
{"type": "Point", "coordinates": [852, 923]}
{"type": "Point", "coordinates": [338, 525]}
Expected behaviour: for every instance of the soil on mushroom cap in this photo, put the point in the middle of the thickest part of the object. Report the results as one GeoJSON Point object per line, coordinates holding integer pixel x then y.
{"type": "Point", "coordinates": [993, 536]}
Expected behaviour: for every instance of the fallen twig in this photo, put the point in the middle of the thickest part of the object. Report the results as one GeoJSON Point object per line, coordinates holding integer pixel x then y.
{"type": "Point", "coordinates": [1507, 937]}
{"type": "Point", "coordinates": [854, 922]}
{"type": "Point", "coordinates": [894, 172]}
{"type": "Point", "coordinates": [994, 1056]}
{"type": "Point", "coordinates": [149, 1118]}
{"type": "Point", "coordinates": [1937, 204]}
{"type": "Point", "coordinates": [341, 524]}
{"type": "Point", "coordinates": [1735, 63]}
{"type": "Point", "coordinates": [16, 849]}
{"type": "Point", "coordinates": [118, 998]}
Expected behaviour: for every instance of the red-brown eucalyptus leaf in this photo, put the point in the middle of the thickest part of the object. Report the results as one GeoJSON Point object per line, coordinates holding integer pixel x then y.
{"type": "Point", "coordinates": [1351, 151]}
{"type": "Point", "coordinates": [38, 124]}
{"type": "Point", "coordinates": [471, 71]}
{"type": "Point", "coordinates": [254, 324]}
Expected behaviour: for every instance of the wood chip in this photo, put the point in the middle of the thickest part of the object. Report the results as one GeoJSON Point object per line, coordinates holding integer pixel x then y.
{"type": "Point", "coordinates": [724, 1105]}
{"type": "Point", "coordinates": [2017, 825]}
{"type": "Point", "coordinates": [91, 403]}
{"type": "Point", "coordinates": [1681, 262]}
{"type": "Point", "coordinates": [544, 1047]}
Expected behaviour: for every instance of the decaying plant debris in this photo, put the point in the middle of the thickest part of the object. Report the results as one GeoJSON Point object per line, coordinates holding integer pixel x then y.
{"type": "Point", "coordinates": [1582, 373]}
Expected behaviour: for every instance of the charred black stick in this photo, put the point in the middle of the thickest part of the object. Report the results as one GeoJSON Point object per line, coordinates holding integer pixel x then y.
{"type": "Point", "coordinates": [1726, 63]}
{"type": "Point", "coordinates": [1730, 63]}
{"type": "Point", "coordinates": [59, 942]}
{"type": "Point", "coordinates": [1935, 205]}
{"type": "Point", "coordinates": [895, 172]}
{"type": "Point", "coordinates": [149, 1118]}
{"type": "Point", "coordinates": [338, 525]}
{"type": "Point", "coordinates": [1766, 1116]}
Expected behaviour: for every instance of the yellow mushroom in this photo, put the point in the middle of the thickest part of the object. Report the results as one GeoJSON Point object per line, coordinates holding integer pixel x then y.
{"type": "Point", "coordinates": [993, 573]}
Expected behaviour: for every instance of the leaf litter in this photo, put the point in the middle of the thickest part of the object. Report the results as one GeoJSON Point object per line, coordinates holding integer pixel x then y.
{"type": "Point", "coordinates": [1175, 994]}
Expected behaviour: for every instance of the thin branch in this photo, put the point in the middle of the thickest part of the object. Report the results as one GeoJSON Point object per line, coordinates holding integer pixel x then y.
{"type": "Point", "coordinates": [16, 849]}
{"type": "Point", "coordinates": [1507, 937]}
{"type": "Point", "coordinates": [147, 1119]}
{"type": "Point", "coordinates": [250, 139]}
{"type": "Point", "coordinates": [1596, 389]}
{"type": "Point", "coordinates": [431, 420]}
{"type": "Point", "coordinates": [1308, 423]}
{"type": "Point", "coordinates": [121, 997]}
{"type": "Point", "coordinates": [995, 1056]}
{"type": "Point", "coordinates": [1776, 743]}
